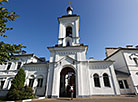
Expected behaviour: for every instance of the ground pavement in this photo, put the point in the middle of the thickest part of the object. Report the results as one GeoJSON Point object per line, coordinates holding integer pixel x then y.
{"type": "Point", "coordinates": [94, 99]}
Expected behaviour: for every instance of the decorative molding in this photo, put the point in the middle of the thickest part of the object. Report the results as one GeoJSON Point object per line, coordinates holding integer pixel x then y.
{"type": "Point", "coordinates": [133, 55]}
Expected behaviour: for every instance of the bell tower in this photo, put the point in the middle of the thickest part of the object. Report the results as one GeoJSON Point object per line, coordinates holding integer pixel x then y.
{"type": "Point", "coordinates": [69, 29]}
{"type": "Point", "coordinates": [67, 54]}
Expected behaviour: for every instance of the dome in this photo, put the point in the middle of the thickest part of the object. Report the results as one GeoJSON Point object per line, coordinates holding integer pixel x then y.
{"type": "Point", "coordinates": [69, 9]}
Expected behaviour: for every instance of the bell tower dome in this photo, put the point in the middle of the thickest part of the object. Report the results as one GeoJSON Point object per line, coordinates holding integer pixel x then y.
{"type": "Point", "coordinates": [69, 29]}
{"type": "Point", "coordinates": [69, 10]}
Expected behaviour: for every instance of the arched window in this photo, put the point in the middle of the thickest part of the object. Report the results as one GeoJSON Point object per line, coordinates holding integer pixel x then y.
{"type": "Point", "coordinates": [19, 65]}
{"type": "Point", "coordinates": [135, 60]}
{"type": "Point", "coordinates": [106, 80]}
{"type": "Point", "coordinates": [2, 84]}
{"type": "Point", "coordinates": [9, 65]}
{"type": "Point", "coordinates": [31, 81]}
{"type": "Point", "coordinates": [69, 31]}
{"type": "Point", "coordinates": [96, 80]}
{"type": "Point", "coordinates": [40, 81]}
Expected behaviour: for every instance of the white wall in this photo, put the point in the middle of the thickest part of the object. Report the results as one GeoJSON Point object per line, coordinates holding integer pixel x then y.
{"type": "Point", "coordinates": [100, 68]}
{"type": "Point", "coordinates": [130, 90]}
{"type": "Point", "coordinates": [119, 63]}
{"type": "Point", "coordinates": [37, 70]}
{"type": "Point", "coordinates": [68, 21]}
{"type": "Point", "coordinates": [132, 66]}
{"type": "Point", "coordinates": [78, 53]}
{"type": "Point", "coordinates": [34, 69]}
{"type": "Point", "coordinates": [83, 79]}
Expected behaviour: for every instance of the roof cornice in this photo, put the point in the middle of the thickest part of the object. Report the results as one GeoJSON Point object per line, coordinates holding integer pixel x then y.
{"type": "Point", "coordinates": [119, 49]}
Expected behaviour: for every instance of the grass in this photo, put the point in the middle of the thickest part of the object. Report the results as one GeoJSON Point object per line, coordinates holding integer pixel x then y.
{"type": "Point", "coordinates": [2, 100]}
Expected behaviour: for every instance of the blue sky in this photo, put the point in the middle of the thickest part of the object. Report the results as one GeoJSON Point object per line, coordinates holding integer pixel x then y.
{"type": "Point", "coordinates": [103, 23]}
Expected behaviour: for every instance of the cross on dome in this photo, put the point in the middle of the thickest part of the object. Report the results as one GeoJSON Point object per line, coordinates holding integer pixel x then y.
{"type": "Point", "coordinates": [69, 3]}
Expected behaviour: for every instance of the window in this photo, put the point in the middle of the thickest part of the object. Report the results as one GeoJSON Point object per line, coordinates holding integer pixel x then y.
{"type": "Point", "coordinates": [69, 31]}
{"type": "Point", "coordinates": [31, 82]}
{"type": "Point", "coordinates": [96, 80]}
{"type": "Point", "coordinates": [40, 82]}
{"type": "Point", "coordinates": [126, 84]}
{"type": "Point", "coordinates": [2, 84]}
{"type": "Point", "coordinates": [135, 60]}
{"type": "Point", "coordinates": [9, 65]}
{"type": "Point", "coordinates": [19, 65]}
{"type": "Point", "coordinates": [106, 80]}
{"type": "Point", "coordinates": [68, 44]}
{"type": "Point", "coordinates": [121, 85]}
{"type": "Point", "coordinates": [11, 81]}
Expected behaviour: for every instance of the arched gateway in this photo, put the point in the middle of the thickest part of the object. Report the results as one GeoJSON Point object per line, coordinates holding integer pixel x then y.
{"type": "Point", "coordinates": [67, 79]}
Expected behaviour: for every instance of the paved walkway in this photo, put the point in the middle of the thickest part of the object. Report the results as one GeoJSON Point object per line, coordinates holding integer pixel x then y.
{"type": "Point", "coordinates": [95, 99]}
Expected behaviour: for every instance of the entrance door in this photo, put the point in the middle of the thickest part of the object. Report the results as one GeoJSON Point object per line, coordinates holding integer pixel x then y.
{"type": "Point", "coordinates": [67, 79]}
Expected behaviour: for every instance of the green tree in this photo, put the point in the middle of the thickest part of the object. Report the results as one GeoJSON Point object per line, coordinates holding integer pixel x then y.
{"type": "Point", "coordinates": [28, 92]}
{"type": "Point", "coordinates": [7, 51]}
{"type": "Point", "coordinates": [17, 90]}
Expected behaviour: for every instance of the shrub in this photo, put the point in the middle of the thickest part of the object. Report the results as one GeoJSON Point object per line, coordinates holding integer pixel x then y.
{"type": "Point", "coordinates": [17, 90]}
{"type": "Point", "coordinates": [28, 92]}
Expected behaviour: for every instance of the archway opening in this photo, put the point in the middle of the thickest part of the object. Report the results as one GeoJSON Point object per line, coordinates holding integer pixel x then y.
{"type": "Point", "coordinates": [67, 79]}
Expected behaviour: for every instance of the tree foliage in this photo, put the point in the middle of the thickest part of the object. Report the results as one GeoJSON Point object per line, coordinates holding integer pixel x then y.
{"type": "Point", "coordinates": [28, 92]}
{"type": "Point", "coordinates": [17, 90]}
{"type": "Point", "coordinates": [18, 81]}
{"type": "Point", "coordinates": [7, 51]}
{"type": "Point", "coordinates": [5, 16]}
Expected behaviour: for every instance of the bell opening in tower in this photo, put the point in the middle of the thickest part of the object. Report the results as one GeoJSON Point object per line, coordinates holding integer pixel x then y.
{"type": "Point", "coordinates": [69, 31]}
{"type": "Point", "coordinates": [68, 44]}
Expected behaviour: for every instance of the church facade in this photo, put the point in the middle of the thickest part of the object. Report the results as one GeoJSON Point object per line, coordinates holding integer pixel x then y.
{"type": "Point", "coordinates": [68, 66]}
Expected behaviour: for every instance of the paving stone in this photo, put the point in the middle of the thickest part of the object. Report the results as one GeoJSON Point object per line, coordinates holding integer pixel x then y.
{"type": "Point", "coordinates": [95, 99]}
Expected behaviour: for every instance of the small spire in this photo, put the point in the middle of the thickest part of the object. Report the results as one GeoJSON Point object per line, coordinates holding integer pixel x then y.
{"type": "Point", "coordinates": [69, 9]}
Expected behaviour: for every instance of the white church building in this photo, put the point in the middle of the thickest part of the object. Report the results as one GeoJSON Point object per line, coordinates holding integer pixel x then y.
{"type": "Point", "coordinates": [68, 66]}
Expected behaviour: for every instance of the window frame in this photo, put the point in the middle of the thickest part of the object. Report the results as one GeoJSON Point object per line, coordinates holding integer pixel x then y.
{"type": "Point", "coordinates": [31, 82]}
{"type": "Point", "coordinates": [135, 60]}
{"type": "Point", "coordinates": [121, 87]}
{"type": "Point", "coordinates": [126, 84]}
{"type": "Point", "coordinates": [96, 79]}
{"type": "Point", "coordinates": [40, 82]}
{"type": "Point", "coordinates": [1, 85]}
{"type": "Point", "coordinates": [9, 65]}
{"type": "Point", "coordinates": [19, 65]}
{"type": "Point", "coordinates": [106, 80]}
